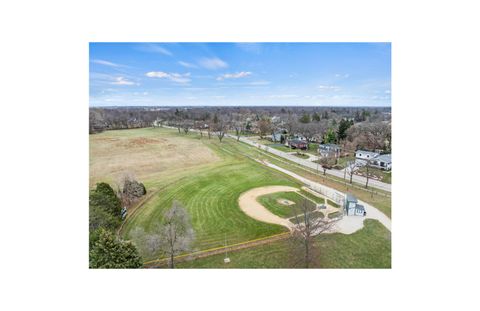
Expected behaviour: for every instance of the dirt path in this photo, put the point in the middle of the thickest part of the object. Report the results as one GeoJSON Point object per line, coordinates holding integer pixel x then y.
{"type": "Point", "coordinates": [249, 205]}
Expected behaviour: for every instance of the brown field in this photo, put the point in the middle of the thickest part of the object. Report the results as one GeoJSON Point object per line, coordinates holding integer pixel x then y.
{"type": "Point", "coordinates": [145, 153]}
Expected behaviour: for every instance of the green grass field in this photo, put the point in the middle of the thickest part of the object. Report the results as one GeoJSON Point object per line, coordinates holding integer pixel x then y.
{"type": "Point", "coordinates": [384, 176]}
{"type": "Point", "coordinates": [312, 197]}
{"type": "Point", "coordinates": [310, 216]}
{"type": "Point", "coordinates": [366, 248]}
{"type": "Point", "coordinates": [210, 194]}
{"type": "Point", "coordinates": [207, 177]}
{"type": "Point", "coordinates": [270, 201]}
{"type": "Point", "coordinates": [301, 155]}
{"type": "Point", "coordinates": [331, 203]}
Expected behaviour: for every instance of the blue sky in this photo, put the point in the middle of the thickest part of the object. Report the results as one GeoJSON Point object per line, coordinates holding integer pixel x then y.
{"type": "Point", "coordinates": [240, 74]}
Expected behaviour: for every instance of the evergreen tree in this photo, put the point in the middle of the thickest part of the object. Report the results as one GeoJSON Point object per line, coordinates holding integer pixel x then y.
{"type": "Point", "coordinates": [305, 118]}
{"type": "Point", "coordinates": [329, 136]}
{"type": "Point", "coordinates": [342, 129]}
{"type": "Point", "coordinates": [108, 252]}
{"type": "Point", "coordinates": [104, 197]}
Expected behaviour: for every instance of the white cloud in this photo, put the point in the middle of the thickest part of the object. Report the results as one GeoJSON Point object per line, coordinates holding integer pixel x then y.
{"type": "Point", "coordinates": [173, 76]}
{"type": "Point", "coordinates": [329, 87]}
{"type": "Point", "coordinates": [106, 63]}
{"type": "Point", "coordinates": [213, 63]}
{"type": "Point", "coordinates": [241, 74]}
{"type": "Point", "coordinates": [344, 76]}
{"type": "Point", "coordinates": [156, 74]}
{"type": "Point", "coordinates": [122, 81]}
{"type": "Point", "coordinates": [154, 48]}
{"type": "Point", "coordinates": [187, 65]}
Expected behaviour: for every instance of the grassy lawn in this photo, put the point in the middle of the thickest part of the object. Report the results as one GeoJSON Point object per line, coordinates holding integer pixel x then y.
{"type": "Point", "coordinates": [210, 194]}
{"type": "Point", "coordinates": [331, 203]}
{"type": "Point", "coordinates": [334, 215]}
{"type": "Point", "coordinates": [207, 177]}
{"type": "Point", "coordinates": [312, 215]}
{"type": "Point", "coordinates": [313, 197]}
{"type": "Point", "coordinates": [301, 155]}
{"type": "Point", "coordinates": [281, 148]}
{"type": "Point", "coordinates": [366, 248]}
{"type": "Point", "coordinates": [149, 154]}
{"type": "Point", "coordinates": [270, 201]}
{"type": "Point", "coordinates": [313, 148]}
{"type": "Point", "coordinates": [342, 162]}
{"type": "Point", "coordinates": [383, 176]}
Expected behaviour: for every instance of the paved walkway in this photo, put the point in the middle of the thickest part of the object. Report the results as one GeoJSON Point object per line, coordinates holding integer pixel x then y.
{"type": "Point", "coordinates": [359, 179]}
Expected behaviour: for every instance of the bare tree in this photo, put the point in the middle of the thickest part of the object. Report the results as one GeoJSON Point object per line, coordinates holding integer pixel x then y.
{"type": "Point", "coordinates": [351, 168]}
{"type": "Point", "coordinates": [264, 126]}
{"type": "Point", "coordinates": [238, 126]}
{"type": "Point", "coordinates": [171, 237]}
{"type": "Point", "coordinates": [327, 162]}
{"type": "Point", "coordinates": [176, 232]}
{"type": "Point", "coordinates": [147, 244]}
{"type": "Point", "coordinates": [186, 125]}
{"type": "Point", "coordinates": [220, 127]}
{"type": "Point", "coordinates": [291, 124]}
{"type": "Point", "coordinates": [179, 126]}
{"type": "Point", "coordinates": [308, 225]}
{"type": "Point", "coordinates": [368, 163]}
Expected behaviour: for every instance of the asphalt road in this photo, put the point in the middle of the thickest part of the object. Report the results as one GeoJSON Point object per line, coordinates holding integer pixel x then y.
{"type": "Point", "coordinates": [359, 179]}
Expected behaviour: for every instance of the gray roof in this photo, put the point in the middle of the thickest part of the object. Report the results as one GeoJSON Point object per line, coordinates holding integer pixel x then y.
{"type": "Point", "coordinates": [351, 198]}
{"type": "Point", "coordinates": [297, 141]}
{"type": "Point", "coordinates": [360, 207]}
{"type": "Point", "coordinates": [329, 146]}
{"type": "Point", "coordinates": [364, 152]}
{"type": "Point", "coordinates": [387, 158]}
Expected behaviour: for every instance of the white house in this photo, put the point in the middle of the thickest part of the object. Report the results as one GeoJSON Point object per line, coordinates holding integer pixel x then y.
{"type": "Point", "coordinates": [383, 161]}
{"type": "Point", "coordinates": [365, 155]}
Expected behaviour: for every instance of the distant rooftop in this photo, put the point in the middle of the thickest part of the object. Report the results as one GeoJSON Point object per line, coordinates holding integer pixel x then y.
{"type": "Point", "coordinates": [364, 152]}
{"type": "Point", "coordinates": [385, 158]}
{"type": "Point", "coordinates": [330, 145]}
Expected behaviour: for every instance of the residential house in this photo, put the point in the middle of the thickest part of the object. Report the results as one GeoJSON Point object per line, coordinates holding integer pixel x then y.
{"type": "Point", "coordinates": [329, 149]}
{"type": "Point", "coordinates": [375, 159]}
{"type": "Point", "coordinates": [298, 144]}
{"type": "Point", "coordinates": [363, 156]}
{"type": "Point", "coordinates": [383, 161]}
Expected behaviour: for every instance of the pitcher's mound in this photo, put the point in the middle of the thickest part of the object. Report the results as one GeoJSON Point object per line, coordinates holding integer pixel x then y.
{"type": "Point", "coordinates": [285, 202]}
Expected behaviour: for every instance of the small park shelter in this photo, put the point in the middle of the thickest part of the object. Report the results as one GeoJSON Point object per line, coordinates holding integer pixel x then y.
{"type": "Point", "coordinates": [352, 208]}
